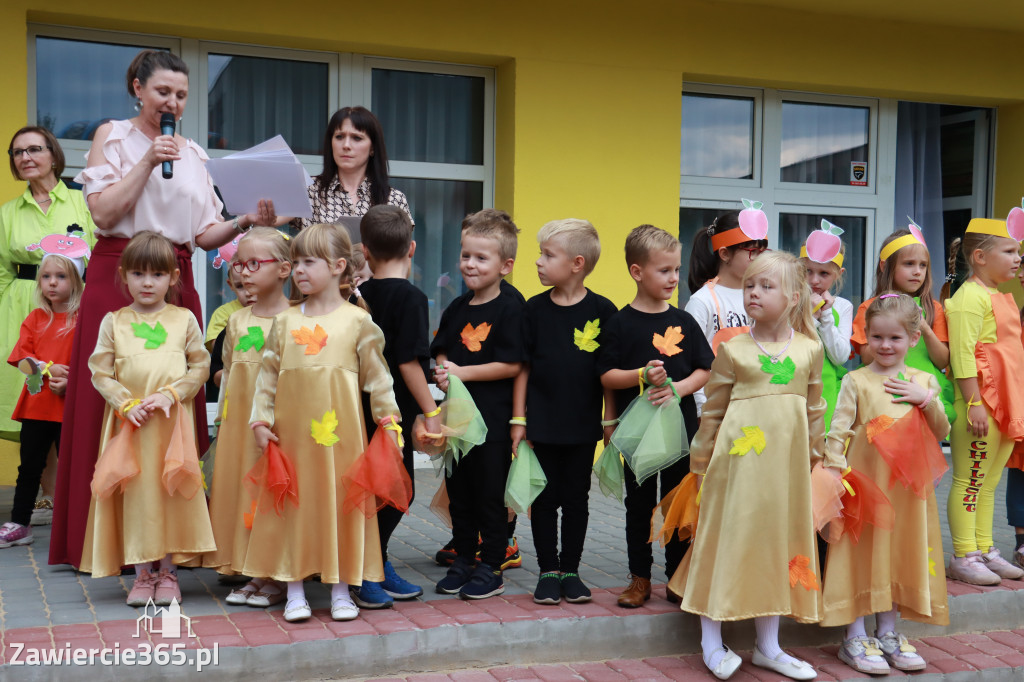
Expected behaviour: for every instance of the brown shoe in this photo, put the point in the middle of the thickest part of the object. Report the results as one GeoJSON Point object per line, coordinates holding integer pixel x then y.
{"type": "Point", "coordinates": [638, 591]}
{"type": "Point", "coordinates": [672, 596]}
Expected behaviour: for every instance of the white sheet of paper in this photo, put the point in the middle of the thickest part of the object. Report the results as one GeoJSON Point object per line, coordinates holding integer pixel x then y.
{"type": "Point", "coordinates": [267, 171]}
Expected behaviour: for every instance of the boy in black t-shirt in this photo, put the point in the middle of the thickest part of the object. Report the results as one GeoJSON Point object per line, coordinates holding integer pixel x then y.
{"type": "Point", "coordinates": [400, 310]}
{"type": "Point", "coordinates": [650, 333]}
{"type": "Point", "coordinates": [560, 394]}
{"type": "Point", "coordinates": [479, 340]}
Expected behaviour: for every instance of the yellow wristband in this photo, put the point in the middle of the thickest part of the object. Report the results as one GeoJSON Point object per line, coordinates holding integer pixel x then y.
{"type": "Point", "coordinates": [973, 404]}
{"type": "Point", "coordinates": [517, 421]}
{"type": "Point", "coordinates": [129, 405]}
{"type": "Point", "coordinates": [433, 413]}
{"type": "Point", "coordinates": [391, 424]}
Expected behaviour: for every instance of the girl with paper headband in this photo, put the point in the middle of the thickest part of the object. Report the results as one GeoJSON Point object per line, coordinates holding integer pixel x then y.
{"type": "Point", "coordinates": [719, 258]}
{"type": "Point", "coordinates": [823, 256]}
{"type": "Point", "coordinates": [904, 265]}
{"type": "Point", "coordinates": [42, 352]}
{"type": "Point", "coordinates": [987, 359]}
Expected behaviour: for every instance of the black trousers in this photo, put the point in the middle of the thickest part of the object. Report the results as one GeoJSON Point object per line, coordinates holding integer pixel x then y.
{"type": "Point", "coordinates": [36, 439]}
{"type": "Point", "coordinates": [476, 493]}
{"type": "Point", "coordinates": [640, 503]}
{"type": "Point", "coordinates": [568, 470]}
{"type": "Point", "coordinates": [388, 518]}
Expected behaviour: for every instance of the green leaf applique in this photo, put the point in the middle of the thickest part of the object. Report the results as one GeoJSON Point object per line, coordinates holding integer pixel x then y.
{"type": "Point", "coordinates": [154, 335]}
{"type": "Point", "coordinates": [252, 340]}
{"type": "Point", "coordinates": [782, 371]}
{"type": "Point", "coordinates": [34, 382]}
{"type": "Point", "coordinates": [587, 339]}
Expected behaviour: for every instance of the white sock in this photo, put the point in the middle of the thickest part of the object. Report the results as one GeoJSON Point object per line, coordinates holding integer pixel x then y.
{"type": "Point", "coordinates": [167, 565]}
{"type": "Point", "coordinates": [856, 629]}
{"type": "Point", "coordinates": [886, 621]}
{"type": "Point", "coordinates": [340, 591]}
{"type": "Point", "coordinates": [139, 568]}
{"type": "Point", "coordinates": [767, 628]}
{"type": "Point", "coordinates": [711, 642]}
{"type": "Point", "coordinates": [296, 592]}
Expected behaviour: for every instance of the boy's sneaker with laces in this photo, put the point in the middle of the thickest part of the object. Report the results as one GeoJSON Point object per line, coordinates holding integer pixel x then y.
{"type": "Point", "coordinates": [446, 555]}
{"type": "Point", "coordinates": [573, 589]}
{"type": "Point", "coordinates": [456, 578]}
{"type": "Point", "coordinates": [483, 583]}
{"type": "Point", "coordinates": [513, 559]}
{"type": "Point", "coordinates": [398, 587]}
{"type": "Point", "coordinates": [549, 589]}
{"type": "Point", "coordinates": [1000, 566]}
{"type": "Point", "coordinates": [12, 534]}
{"type": "Point", "coordinates": [42, 515]}
{"type": "Point", "coordinates": [371, 595]}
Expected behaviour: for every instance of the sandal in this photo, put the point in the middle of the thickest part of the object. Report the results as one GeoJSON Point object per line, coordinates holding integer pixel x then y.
{"type": "Point", "coordinates": [864, 654]}
{"type": "Point", "coordinates": [239, 596]}
{"type": "Point", "coordinates": [900, 653]}
{"type": "Point", "coordinates": [272, 592]}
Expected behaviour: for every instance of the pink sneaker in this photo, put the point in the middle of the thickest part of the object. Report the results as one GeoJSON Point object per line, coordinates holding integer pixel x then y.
{"type": "Point", "coordinates": [1000, 566]}
{"type": "Point", "coordinates": [142, 590]}
{"type": "Point", "coordinates": [12, 534]}
{"type": "Point", "coordinates": [971, 569]}
{"type": "Point", "coordinates": [166, 588]}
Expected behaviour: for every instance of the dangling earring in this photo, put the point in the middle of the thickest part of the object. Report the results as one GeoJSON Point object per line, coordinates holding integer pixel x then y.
{"type": "Point", "coordinates": [138, 104]}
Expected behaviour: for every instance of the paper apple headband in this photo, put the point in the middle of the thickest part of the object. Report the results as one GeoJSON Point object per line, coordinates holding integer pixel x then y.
{"type": "Point", "coordinates": [824, 245]}
{"type": "Point", "coordinates": [1012, 227]}
{"type": "Point", "coordinates": [71, 245]}
{"type": "Point", "coordinates": [753, 227]}
{"type": "Point", "coordinates": [915, 237]}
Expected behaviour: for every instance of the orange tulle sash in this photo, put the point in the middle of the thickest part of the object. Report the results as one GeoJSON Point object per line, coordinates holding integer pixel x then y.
{"type": "Point", "coordinates": [271, 482]}
{"type": "Point", "coordinates": [909, 447]}
{"type": "Point", "coordinates": [863, 503]}
{"type": "Point", "coordinates": [677, 512]}
{"type": "Point", "coordinates": [441, 505]}
{"type": "Point", "coordinates": [118, 464]}
{"type": "Point", "coordinates": [181, 461]}
{"type": "Point", "coordinates": [827, 491]}
{"type": "Point", "coordinates": [378, 478]}
{"type": "Point", "coordinates": [999, 367]}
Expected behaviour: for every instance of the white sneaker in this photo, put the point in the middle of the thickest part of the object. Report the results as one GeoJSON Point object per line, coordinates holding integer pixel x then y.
{"type": "Point", "coordinates": [1000, 566]}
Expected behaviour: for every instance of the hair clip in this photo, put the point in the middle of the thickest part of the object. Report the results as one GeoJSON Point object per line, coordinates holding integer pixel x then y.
{"type": "Point", "coordinates": [287, 237]}
{"type": "Point", "coordinates": [712, 226]}
{"type": "Point", "coordinates": [951, 277]}
{"type": "Point", "coordinates": [891, 295]}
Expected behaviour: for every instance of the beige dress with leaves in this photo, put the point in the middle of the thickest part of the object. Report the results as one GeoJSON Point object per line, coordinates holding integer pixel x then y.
{"type": "Point", "coordinates": [144, 523]}
{"type": "Point", "coordinates": [754, 553]}
{"type": "Point", "coordinates": [902, 566]}
{"type": "Point", "coordinates": [314, 371]}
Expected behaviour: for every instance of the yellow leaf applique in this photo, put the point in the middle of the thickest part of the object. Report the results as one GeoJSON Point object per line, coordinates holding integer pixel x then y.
{"type": "Point", "coordinates": [587, 339]}
{"type": "Point", "coordinates": [472, 338]}
{"type": "Point", "coordinates": [800, 572]}
{"type": "Point", "coordinates": [323, 430]}
{"type": "Point", "coordinates": [931, 562]}
{"type": "Point", "coordinates": [313, 339]}
{"type": "Point", "coordinates": [669, 343]}
{"type": "Point", "coordinates": [753, 439]}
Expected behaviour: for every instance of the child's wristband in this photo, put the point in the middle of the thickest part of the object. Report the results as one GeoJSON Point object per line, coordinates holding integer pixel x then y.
{"type": "Point", "coordinates": [255, 424]}
{"type": "Point", "coordinates": [391, 424]}
{"type": "Point", "coordinates": [433, 413]}
{"type": "Point", "coordinates": [517, 421]}
{"type": "Point", "coordinates": [170, 389]}
{"type": "Point", "coordinates": [973, 404]}
{"type": "Point", "coordinates": [927, 399]}
{"type": "Point", "coordinates": [128, 405]}
{"type": "Point", "coordinates": [609, 422]}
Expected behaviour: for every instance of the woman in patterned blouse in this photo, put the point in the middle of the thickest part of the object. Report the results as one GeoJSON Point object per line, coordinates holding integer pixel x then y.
{"type": "Point", "coordinates": [355, 171]}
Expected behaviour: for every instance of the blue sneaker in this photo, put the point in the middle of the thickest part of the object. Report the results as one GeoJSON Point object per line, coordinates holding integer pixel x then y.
{"type": "Point", "coordinates": [398, 587]}
{"type": "Point", "coordinates": [456, 577]}
{"type": "Point", "coordinates": [371, 596]}
{"type": "Point", "coordinates": [483, 583]}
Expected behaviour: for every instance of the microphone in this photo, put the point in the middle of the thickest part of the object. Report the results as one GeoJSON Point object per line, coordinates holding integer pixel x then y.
{"type": "Point", "coordinates": [167, 128]}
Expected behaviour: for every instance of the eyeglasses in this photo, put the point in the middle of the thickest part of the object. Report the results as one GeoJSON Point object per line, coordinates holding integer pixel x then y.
{"type": "Point", "coordinates": [753, 251]}
{"type": "Point", "coordinates": [34, 150]}
{"type": "Point", "coordinates": [251, 265]}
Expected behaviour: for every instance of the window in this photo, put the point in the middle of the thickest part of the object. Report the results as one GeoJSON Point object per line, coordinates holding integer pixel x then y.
{"type": "Point", "coordinates": [718, 136]}
{"type": "Point", "coordinates": [438, 121]}
{"type": "Point", "coordinates": [824, 144]}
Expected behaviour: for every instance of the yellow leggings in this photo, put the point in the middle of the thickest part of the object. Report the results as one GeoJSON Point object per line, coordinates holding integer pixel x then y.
{"type": "Point", "coordinates": [978, 464]}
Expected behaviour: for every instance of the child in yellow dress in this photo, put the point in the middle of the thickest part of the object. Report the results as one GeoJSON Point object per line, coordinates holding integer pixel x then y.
{"type": "Point", "coordinates": [754, 553]}
{"type": "Point", "coordinates": [882, 407]}
{"type": "Point", "coordinates": [320, 357]}
{"type": "Point", "coordinates": [263, 265]}
{"type": "Point", "coordinates": [148, 365]}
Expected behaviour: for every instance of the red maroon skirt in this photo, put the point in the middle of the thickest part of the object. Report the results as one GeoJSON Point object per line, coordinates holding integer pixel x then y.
{"type": "Point", "coordinates": [83, 406]}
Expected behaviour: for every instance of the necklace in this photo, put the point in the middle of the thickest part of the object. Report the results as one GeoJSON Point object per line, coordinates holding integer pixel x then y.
{"type": "Point", "coordinates": [774, 358]}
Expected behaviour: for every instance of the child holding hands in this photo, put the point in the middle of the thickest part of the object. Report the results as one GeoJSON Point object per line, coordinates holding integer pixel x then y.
{"type": "Point", "coordinates": [560, 394]}
{"type": "Point", "coordinates": [148, 365]}
{"type": "Point", "coordinates": [653, 340]}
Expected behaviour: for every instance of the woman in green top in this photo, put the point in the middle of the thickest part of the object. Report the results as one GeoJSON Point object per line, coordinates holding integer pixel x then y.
{"type": "Point", "coordinates": [47, 207]}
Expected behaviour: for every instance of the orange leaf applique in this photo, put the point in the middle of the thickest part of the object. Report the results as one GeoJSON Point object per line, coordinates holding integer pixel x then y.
{"type": "Point", "coordinates": [800, 572]}
{"type": "Point", "coordinates": [314, 339]}
{"type": "Point", "coordinates": [471, 338]}
{"type": "Point", "coordinates": [668, 344]}
{"type": "Point", "coordinates": [878, 425]}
